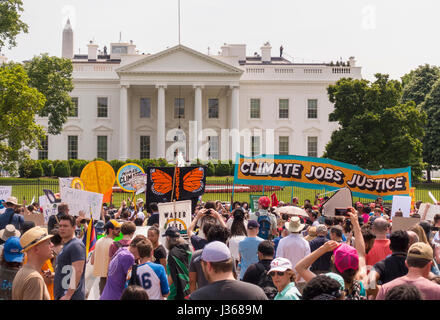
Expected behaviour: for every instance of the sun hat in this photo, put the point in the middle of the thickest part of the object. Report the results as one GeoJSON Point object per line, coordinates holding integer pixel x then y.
{"type": "Point", "coordinates": [33, 237]}
{"type": "Point", "coordinates": [216, 251]}
{"type": "Point", "coordinates": [12, 250]}
{"type": "Point", "coordinates": [9, 231]}
{"type": "Point", "coordinates": [346, 257]}
{"type": "Point", "coordinates": [140, 200]}
{"type": "Point", "coordinates": [311, 234]}
{"type": "Point", "coordinates": [280, 264]}
{"type": "Point", "coordinates": [294, 225]}
{"type": "Point", "coordinates": [264, 202]}
{"type": "Point", "coordinates": [12, 200]}
{"type": "Point", "coordinates": [420, 250]}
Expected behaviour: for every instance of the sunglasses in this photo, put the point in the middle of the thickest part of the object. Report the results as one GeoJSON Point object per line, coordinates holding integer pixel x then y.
{"type": "Point", "coordinates": [279, 273]}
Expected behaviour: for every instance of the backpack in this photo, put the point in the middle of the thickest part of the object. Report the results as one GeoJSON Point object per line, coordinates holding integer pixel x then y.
{"type": "Point", "coordinates": [265, 226]}
{"type": "Point", "coordinates": [265, 282]}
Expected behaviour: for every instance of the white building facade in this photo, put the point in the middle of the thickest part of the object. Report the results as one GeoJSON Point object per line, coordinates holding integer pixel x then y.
{"type": "Point", "coordinates": [131, 105]}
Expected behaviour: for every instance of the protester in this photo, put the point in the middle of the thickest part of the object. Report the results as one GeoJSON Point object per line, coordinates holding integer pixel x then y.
{"type": "Point", "coordinates": [217, 266]}
{"type": "Point", "coordinates": [28, 283]}
{"type": "Point", "coordinates": [381, 248]}
{"type": "Point", "coordinates": [283, 233]}
{"type": "Point", "coordinates": [257, 273]}
{"type": "Point", "coordinates": [199, 242]}
{"type": "Point", "coordinates": [323, 263]}
{"type": "Point", "coordinates": [311, 234]}
{"type": "Point", "coordinates": [151, 276]}
{"type": "Point", "coordinates": [336, 234]}
{"type": "Point", "coordinates": [283, 278]}
{"type": "Point", "coordinates": [10, 216]}
{"type": "Point", "coordinates": [134, 293]}
{"type": "Point", "coordinates": [418, 261]}
{"type": "Point", "coordinates": [238, 232]}
{"type": "Point", "coordinates": [6, 233]}
{"type": "Point", "coordinates": [160, 254]}
{"type": "Point", "coordinates": [154, 218]}
{"type": "Point", "coordinates": [323, 287]}
{"type": "Point", "coordinates": [54, 220]}
{"type": "Point", "coordinates": [11, 262]}
{"type": "Point", "coordinates": [128, 229]}
{"type": "Point", "coordinates": [179, 257]}
{"type": "Point", "coordinates": [100, 256]}
{"type": "Point", "coordinates": [294, 247]}
{"type": "Point", "coordinates": [266, 220]}
{"type": "Point", "coordinates": [248, 248]}
{"type": "Point", "coordinates": [70, 264]}
{"type": "Point", "coordinates": [404, 292]}
{"type": "Point", "coordinates": [197, 278]}
{"type": "Point", "coordinates": [121, 263]}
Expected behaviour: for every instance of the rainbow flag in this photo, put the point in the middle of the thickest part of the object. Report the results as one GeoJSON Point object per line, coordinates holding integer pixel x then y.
{"type": "Point", "coordinates": [89, 238]}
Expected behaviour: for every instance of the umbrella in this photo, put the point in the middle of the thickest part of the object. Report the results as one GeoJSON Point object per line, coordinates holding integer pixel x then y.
{"type": "Point", "coordinates": [291, 210]}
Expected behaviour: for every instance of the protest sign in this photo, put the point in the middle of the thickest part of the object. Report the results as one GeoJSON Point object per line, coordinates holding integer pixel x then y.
{"type": "Point", "coordinates": [80, 200]}
{"type": "Point", "coordinates": [341, 199]}
{"type": "Point", "coordinates": [403, 223]}
{"type": "Point", "coordinates": [314, 173]}
{"type": "Point", "coordinates": [49, 208]}
{"type": "Point", "coordinates": [253, 201]}
{"type": "Point", "coordinates": [37, 218]}
{"type": "Point", "coordinates": [175, 214]}
{"type": "Point", "coordinates": [5, 193]}
{"type": "Point", "coordinates": [64, 183]}
{"type": "Point", "coordinates": [126, 177]}
{"type": "Point", "coordinates": [428, 211]}
{"type": "Point", "coordinates": [98, 176]}
{"type": "Point", "coordinates": [77, 183]}
{"type": "Point", "coordinates": [401, 204]}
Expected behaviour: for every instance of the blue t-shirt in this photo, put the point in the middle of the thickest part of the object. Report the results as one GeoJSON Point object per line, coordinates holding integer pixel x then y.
{"type": "Point", "coordinates": [276, 241]}
{"type": "Point", "coordinates": [73, 251]}
{"type": "Point", "coordinates": [248, 249]}
{"type": "Point", "coordinates": [17, 220]}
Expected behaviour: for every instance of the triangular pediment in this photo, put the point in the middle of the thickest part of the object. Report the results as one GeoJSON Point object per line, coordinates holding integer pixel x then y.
{"type": "Point", "coordinates": [179, 59]}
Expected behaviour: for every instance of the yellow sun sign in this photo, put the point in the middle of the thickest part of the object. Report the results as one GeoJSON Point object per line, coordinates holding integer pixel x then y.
{"type": "Point", "coordinates": [98, 176]}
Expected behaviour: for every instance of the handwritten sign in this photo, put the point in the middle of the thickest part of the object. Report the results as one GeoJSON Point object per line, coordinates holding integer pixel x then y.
{"type": "Point", "coordinates": [428, 211]}
{"type": "Point", "coordinates": [79, 200]}
{"type": "Point", "coordinates": [64, 183]}
{"type": "Point", "coordinates": [5, 193]}
{"type": "Point", "coordinates": [139, 183]}
{"type": "Point", "coordinates": [175, 214]}
{"type": "Point", "coordinates": [49, 208]}
{"type": "Point", "coordinates": [126, 174]}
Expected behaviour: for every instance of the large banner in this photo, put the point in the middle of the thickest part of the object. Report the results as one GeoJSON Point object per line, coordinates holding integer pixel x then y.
{"type": "Point", "coordinates": [317, 173]}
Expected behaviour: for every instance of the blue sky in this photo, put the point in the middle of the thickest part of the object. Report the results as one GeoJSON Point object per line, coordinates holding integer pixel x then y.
{"type": "Point", "coordinates": [389, 36]}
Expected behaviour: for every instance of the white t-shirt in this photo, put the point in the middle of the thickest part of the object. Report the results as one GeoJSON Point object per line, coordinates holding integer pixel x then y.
{"type": "Point", "coordinates": [153, 279]}
{"type": "Point", "coordinates": [233, 246]}
{"type": "Point", "coordinates": [293, 247]}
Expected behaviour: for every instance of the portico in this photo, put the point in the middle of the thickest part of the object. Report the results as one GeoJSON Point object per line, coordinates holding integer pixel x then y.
{"type": "Point", "coordinates": [182, 86]}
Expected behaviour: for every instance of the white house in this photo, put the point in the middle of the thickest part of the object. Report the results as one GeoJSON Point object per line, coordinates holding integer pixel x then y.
{"type": "Point", "coordinates": [132, 105]}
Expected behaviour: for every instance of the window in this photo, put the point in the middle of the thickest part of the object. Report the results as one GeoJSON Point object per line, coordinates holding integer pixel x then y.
{"type": "Point", "coordinates": [312, 109]}
{"type": "Point", "coordinates": [145, 107]}
{"type": "Point", "coordinates": [213, 147]}
{"type": "Point", "coordinates": [255, 145]}
{"type": "Point", "coordinates": [213, 108]}
{"type": "Point", "coordinates": [255, 108]}
{"type": "Point", "coordinates": [119, 49]}
{"type": "Point", "coordinates": [179, 108]}
{"type": "Point", "coordinates": [73, 112]}
{"type": "Point", "coordinates": [43, 152]}
{"type": "Point", "coordinates": [283, 112]}
{"type": "Point", "coordinates": [283, 145]}
{"type": "Point", "coordinates": [102, 147]}
{"type": "Point", "coordinates": [72, 147]}
{"type": "Point", "coordinates": [102, 107]}
{"type": "Point", "coordinates": [145, 147]}
{"type": "Point", "coordinates": [312, 146]}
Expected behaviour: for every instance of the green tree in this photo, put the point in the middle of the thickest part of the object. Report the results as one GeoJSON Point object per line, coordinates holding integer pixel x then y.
{"type": "Point", "coordinates": [19, 103]}
{"type": "Point", "coordinates": [52, 76]}
{"type": "Point", "coordinates": [376, 130]}
{"type": "Point", "coordinates": [10, 23]}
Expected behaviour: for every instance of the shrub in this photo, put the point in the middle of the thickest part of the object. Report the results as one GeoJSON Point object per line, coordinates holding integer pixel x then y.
{"type": "Point", "coordinates": [77, 167]}
{"type": "Point", "coordinates": [161, 162]}
{"type": "Point", "coordinates": [210, 170]}
{"type": "Point", "coordinates": [36, 170]}
{"type": "Point", "coordinates": [231, 168]}
{"type": "Point", "coordinates": [116, 164]}
{"type": "Point", "coordinates": [222, 169]}
{"type": "Point", "coordinates": [148, 163]}
{"type": "Point", "coordinates": [62, 169]}
{"type": "Point", "coordinates": [48, 168]}
{"type": "Point", "coordinates": [25, 168]}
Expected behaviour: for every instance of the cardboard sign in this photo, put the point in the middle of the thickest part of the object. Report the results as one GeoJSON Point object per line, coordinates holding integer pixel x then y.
{"type": "Point", "coordinates": [49, 208]}
{"type": "Point", "coordinates": [37, 218]}
{"type": "Point", "coordinates": [401, 204]}
{"type": "Point", "coordinates": [428, 211]}
{"type": "Point", "coordinates": [314, 173]}
{"type": "Point", "coordinates": [79, 200]}
{"type": "Point", "coordinates": [125, 178]}
{"type": "Point", "coordinates": [174, 214]}
{"type": "Point", "coordinates": [5, 193]}
{"type": "Point", "coordinates": [341, 199]}
{"type": "Point", "coordinates": [402, 223]}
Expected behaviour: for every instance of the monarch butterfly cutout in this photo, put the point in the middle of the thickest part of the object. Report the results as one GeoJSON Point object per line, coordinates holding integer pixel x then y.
{"type": "Point", "coordinates": [191, 182]}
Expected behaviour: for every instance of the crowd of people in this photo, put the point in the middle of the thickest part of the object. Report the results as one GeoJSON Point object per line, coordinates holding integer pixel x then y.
{"type": "Point", "coordinates": [228, 252]}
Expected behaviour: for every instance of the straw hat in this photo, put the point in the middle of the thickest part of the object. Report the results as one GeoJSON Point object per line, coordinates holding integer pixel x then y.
{"type": "Point", "coordinates": [12, 200]}
{"type": "Point", "coordinates": [294, 225]}
{"type": "Point", "coordinates": [9, 231]}
{"type": "Point", "coordinates": [32, 237]}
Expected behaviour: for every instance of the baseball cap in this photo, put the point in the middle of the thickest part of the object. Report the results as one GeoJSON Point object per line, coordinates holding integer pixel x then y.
{"type": "Point", "coordinates": [252, 224]}
{"type": "Point", "coordinates": [346, 257]}
{"type": "Point", "coordinates": [280, 264]}
{"type": "Point", "coordinates": [264, 202]}
{"type": "Point", "coordinates": [112, 224]}
{"type": "Point", "coordinates": [216, 251]}
{"type": "Point", "coordinates": [12, 250]}
{"type": "Point", "coordinates": [420, 250]}
{"type": "Point", "coordinates": [172, 232]}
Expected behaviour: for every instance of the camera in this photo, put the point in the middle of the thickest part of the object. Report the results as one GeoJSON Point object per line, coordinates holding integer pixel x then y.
{"type": "Point", "coordinates": [341, 212]}
{"type": "Point", "coordinates": [83, 221]}
{"type": "Point", "coordinates": [209, 211]}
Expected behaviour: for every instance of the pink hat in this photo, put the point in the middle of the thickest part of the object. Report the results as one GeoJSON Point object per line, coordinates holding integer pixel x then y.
{"type": "Point", "coordinates": [346, 257]}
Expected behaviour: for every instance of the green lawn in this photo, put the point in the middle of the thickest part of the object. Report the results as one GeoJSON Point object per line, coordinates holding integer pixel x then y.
{"type": "Point", "coordinates": [28, 188]}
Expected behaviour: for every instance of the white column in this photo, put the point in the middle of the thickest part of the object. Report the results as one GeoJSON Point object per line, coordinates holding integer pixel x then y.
{"type": "Point", "coordinates": [160, 144]}
{"type": "Point", "coordinates": [235, 122]}
{"type": "Point", "coordinates": [198, 118]}
{"type": "Point", "coordinates": [123, 123]}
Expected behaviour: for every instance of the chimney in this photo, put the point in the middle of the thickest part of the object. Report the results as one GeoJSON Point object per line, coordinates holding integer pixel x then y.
{"type": "Point", "coordinates": [352, 62]}
{"type": "Point", "coordinates": [266, 53]}
{"type": "Point", "coordinates": [131, 48]}
{"type": "Point", "coordinates": [67, 47]}
{"type": "Point", "coordinates": [93, 51]}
